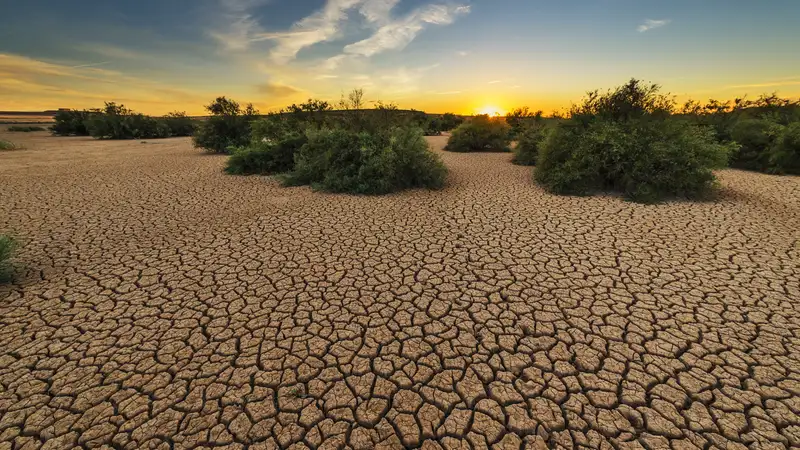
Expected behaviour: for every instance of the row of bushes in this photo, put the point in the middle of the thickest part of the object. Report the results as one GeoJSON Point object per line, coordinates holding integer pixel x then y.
{"type": "Point", "coordinates": [635, 141]}
{"type": "Point", "coordinates": [118, 122]}
{"type": "Point", "coordinates": [24, 128]}
{"type": "Point", "coordinates": [230, 124]}
{"type": "Point", "coordinates": [352, 150]}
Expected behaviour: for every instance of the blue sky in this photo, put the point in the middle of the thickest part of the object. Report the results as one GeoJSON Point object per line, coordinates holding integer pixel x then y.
{"type": "Point", "coordinates": [437, 55]}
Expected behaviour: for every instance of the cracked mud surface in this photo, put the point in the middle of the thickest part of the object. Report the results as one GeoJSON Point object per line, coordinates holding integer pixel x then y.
{"type": "Point", "coordinates": [167, 305]}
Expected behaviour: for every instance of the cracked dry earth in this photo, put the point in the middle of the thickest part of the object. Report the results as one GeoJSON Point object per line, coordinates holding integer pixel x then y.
{"type": "Point", "coordinates": [164, 304]}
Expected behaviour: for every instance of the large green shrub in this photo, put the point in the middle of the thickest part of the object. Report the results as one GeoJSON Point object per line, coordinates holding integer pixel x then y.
{"type": "Point", "coordinates": [755, 139]}
{"type": "Point", "coordinates": [785, 154]}
{"type": "Point", "coordinates": [481, 134]}
{"type": "Point", "coordinates": [625, 141]}
{"type": "Point", "coordinates": [529, 142]}
{"type": "Point", "coordinates": [227, 128]}
{"type": "Point", "coordinates": [341, 160]}
{"type": "Point", "coordinates": [7, 247]}
{"type": "Point", "coordinates": [71, 123]}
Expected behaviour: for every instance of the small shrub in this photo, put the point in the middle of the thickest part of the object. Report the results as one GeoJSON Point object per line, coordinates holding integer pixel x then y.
{"type": "Point", "coordinates": [481, 134]}
{"type": "Point", "coordinates": [625, 141]}
{"type": "Point", "coordinates": [755, 138]}
{"type": "Point", "coordinates": [72, 123]}
{"type": "Point", "coordinates": [6, 145]}
{"type": "Point", "coordinates": [7, 247]}
{"type": "Point", "coordinates": [450, 121]}
{"type": "Point", "coordinates": [521, 118]}
{"type": "Point", "coordinates": [227, 128]}
{"type": "Point", "coordinates": [528, 145]}
{"type": "Point", "coordinates": [179, 124]}
{"type": "Point", "coordinates": [342, 160]}
{"type": "Point", "coordinates": [785, 154]}
{"type": "Point", "coordinates": [24, 129]}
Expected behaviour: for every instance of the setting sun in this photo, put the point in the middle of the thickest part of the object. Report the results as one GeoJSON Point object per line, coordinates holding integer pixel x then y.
{"type": "Point", "coordinates": [492, 111]}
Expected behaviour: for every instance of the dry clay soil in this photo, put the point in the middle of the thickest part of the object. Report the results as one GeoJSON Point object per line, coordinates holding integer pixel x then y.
{"type": "Point", "coordinates": [163, 304]}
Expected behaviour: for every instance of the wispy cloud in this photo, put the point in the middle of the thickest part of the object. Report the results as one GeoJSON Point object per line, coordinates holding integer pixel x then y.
{"type": "Point", "coordinates": [397, 34]}
{"type": "Point", "coordinates": [793, 81]}
{"type": "Point", "coordinates": [83, 66]}
{"type": "Point", "coordinates": [495, 81]}
{"type": "Point", "coordinates": [650, 24]}
{"type": "Point", "coordinates": [277, 90]}
{"type": "Point", "coordinates": [448, 93]}
{"type": "Point", "coordinates": [328, 23]}
{"type": "Point", "coordinates": [462, 53]}
{"type": "Point", "coordinates": [240, 25]}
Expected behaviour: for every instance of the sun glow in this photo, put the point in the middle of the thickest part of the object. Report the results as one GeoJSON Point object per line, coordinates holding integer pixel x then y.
{"type": "Point", "coordinates": [492, 111]}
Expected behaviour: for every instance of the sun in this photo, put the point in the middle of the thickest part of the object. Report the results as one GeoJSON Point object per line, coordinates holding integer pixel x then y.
{"type": "Point", "coordinates": [492, 111]}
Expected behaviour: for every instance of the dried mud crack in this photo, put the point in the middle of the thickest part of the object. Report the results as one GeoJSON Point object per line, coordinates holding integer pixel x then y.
{"type": "Point", "coordinates": [164, 304]}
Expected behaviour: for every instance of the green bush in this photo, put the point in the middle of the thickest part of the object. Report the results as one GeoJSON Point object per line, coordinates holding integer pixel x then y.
{"type": "Point", "coordinates": [625, 141]}
{"type": "Point", "coordinates": [450, 121]}
{"type": "Point", "coordinates": [340, 160]}
{"type": "Point", "coordinates": [179, 124]}
{"type": "Point", "coordinates": [755, 139]}
{"type": "Point", "coordinates": [6, 145]}
{"type": "Point", "coordinates": [72, 123]}
{"type": "Point", "coordinates": [481, 134]}
{"type": "Point", "coordinates": [520, 119]}
{"type": "Point", "coordinates": [227, 128]}
{"type": "Point", "coordinates": [530, 141]}
{"type": "Point", "coordinates": [7, 247]}
{"type": "Point", "coordinates": [24, 129]}
{"type": "Point", "coordinates": [785, 154]}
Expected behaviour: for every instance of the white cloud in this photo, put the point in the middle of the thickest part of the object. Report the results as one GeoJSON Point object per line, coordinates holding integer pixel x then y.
{"type": "Point", "coordinates": [242, 28]}
{"type": "Point", "coordinates": [495, 81]}
{"type": "Point", "coordinates": [397, 34]}
{"type": "Point", "coordinates": [377, 11]}
{"type": "Point", "coordinates": [650, 24]}
{"type": "Point", "coordinates": [462, 53]}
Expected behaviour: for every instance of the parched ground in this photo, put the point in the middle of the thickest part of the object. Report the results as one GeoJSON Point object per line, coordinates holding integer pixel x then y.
{"type": "Point", "coordinates": [167, 305]}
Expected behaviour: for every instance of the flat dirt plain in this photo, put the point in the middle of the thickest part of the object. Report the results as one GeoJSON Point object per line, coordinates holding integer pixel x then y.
{"type": "Point", "coordinates": [164, 304]}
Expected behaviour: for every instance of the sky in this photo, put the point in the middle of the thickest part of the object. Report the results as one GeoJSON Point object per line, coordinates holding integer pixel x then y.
{"type": "Point", "coordinates": [464, 56]}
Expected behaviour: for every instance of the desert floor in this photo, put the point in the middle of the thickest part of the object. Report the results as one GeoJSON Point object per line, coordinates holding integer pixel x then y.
{"type": "Point", "coordinates": [164, 304]}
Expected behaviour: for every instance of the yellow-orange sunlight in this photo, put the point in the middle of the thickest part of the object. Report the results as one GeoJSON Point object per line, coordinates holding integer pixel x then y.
{"type": "Point", "coordinates": [492, 111]}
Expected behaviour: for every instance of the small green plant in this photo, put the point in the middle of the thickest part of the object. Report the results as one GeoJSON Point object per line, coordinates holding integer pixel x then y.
{"type": "Point", "coordinates": [481, 134]}
{"type": "Point", "coordinates": [228, 127]}
{"type": "Point", "coordinates": [7, 247]}
{"type": "Point", "coordinates": [784, 157]}
{"type": "Point", "coordinates": [341, 160]}
{"type": "Point", "coordinates": [6, 145]}
{"type": "Point", "coordinates": [528, 145]}
{"type": "Point", "coordinates": [25, 128]}
{"type": "Point", "coordinates": [626, 141]}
